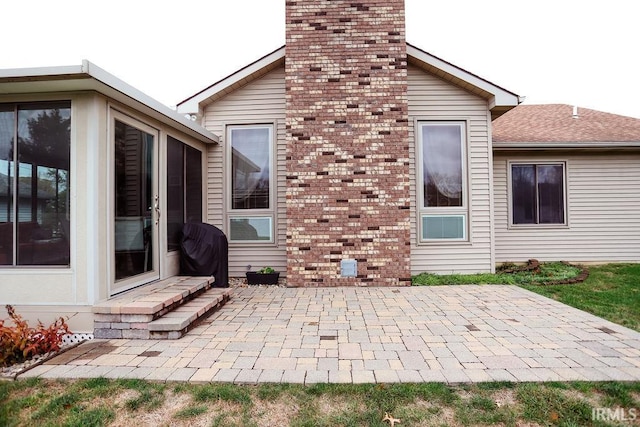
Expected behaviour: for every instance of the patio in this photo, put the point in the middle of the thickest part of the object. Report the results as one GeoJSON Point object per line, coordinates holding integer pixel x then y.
{"type": "Point", "coordinates": [365, 335]}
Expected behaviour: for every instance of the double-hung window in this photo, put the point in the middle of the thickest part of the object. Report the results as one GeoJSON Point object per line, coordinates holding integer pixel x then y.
{"type": "Point", "coordinates": [537, 193]}
{"type": "Point", "coordinates": [443, 183]}
{"type": "Point", "coordinates": [251, 212]}
{"type": "Point", "coordinates": [35, 141]}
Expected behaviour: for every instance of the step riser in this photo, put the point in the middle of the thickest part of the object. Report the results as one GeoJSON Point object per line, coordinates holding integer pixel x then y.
{"type": "Point", "coordinates": [187, 314]}
{"type": "Point", "coordinates": [156, 298]}
{"type": "Point", "coordinates": [180, 302]}
{"type": "Point", "coordinates": [138, 321]}
{"type": "Point", "coordinates": [138, 334]}
{"type": "Point", "coordinates": [173, 335]}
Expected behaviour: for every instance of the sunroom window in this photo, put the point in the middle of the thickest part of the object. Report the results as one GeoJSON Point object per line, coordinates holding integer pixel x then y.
{"type": "Point", "coordinates": [442, 170]}
{"type": "Point", "coordinates": [34, 183]}
{"type": "Point", "coordinates": [184, 189]}
{"type": "Point", "coordinates": [251, 181]}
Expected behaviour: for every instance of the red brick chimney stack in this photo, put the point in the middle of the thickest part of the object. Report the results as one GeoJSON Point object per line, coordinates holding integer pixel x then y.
{"type": "Point", "coordinates": [347, 143]}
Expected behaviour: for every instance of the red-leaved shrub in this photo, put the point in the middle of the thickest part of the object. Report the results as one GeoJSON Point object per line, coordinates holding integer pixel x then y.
{"type": "Point", "coordinates": [19, 342]}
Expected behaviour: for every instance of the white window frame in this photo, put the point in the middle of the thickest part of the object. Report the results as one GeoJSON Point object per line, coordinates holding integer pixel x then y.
{"type": "Point", "coordinates": [464, 226]}
{"type": "Point", "coordinates": [269, 213]}
{"type": "Point", "coordinates": [164, 182]}
{"type": "Point", "coordinates": [453, 211]}
{"type": "Point", "coordinates": [72, 186]}
{"type": "Point", "coordinates": [565, 194]}
{"type": "Point", "coordinates": [250, 217]}
{"type": "Point", "coordinates": [117, 114]}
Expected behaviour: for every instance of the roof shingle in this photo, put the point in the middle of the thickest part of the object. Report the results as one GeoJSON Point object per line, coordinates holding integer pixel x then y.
{"type": "Point", "coordinates": [555, 123]}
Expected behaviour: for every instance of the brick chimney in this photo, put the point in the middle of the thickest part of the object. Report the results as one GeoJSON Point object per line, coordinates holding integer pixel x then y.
{"type": "Point", "coordinates": [347, 143]}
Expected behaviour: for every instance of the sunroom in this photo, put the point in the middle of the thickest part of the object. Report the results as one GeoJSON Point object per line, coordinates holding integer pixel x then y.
{"type": "Point", "coordinates": [96, 181]}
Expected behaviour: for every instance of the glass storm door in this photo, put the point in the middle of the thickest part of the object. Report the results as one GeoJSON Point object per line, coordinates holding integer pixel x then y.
{"type": "Point", "coordinates": [136, 206]}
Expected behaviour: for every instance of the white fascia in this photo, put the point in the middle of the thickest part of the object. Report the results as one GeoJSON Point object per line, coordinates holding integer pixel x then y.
{"type": "Point", "coordinates": [500, 97]}
{"type": "Point", "coordinates": [191, 105]}
{"type": "Point", "coordinates": [89, 76]}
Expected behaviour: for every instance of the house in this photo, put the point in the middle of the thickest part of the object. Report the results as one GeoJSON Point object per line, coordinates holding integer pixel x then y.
{"type": "Point", "coordinates": [370, 153]}
{"type": "Point", "coordinates": [566, 185]}
{"type": "Point", "coordinates": [346, 158]}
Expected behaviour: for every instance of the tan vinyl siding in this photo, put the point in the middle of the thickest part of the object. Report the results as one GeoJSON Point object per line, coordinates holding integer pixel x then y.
{"type": "Point", "coordinates": [261, 101]}
{"type": "Point", "coordinates": [603, 211]}
{"type": "Point", "coordinates": [431, 98]}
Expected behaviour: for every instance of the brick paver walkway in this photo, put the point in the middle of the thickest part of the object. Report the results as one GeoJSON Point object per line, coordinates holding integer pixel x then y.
{"type": "Point", "coordinates": [365, 335]}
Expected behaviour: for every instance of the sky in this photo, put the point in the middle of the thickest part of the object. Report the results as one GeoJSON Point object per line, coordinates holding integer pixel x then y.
{"type": "Point", "coordinates": [578, 52]}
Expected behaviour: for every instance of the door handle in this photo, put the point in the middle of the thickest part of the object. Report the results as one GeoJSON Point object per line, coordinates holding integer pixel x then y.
{"type": "Point", "coordinates": [156, 207]}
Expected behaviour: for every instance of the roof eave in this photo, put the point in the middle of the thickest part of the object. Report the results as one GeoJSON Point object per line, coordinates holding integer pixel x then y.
{"type": "Point", "coordinates": [41, 73]}
{"type": "Point", "coordinates": [564, 145]}
{"type": "Point", "coordinates": [192, 105]}
{"type": "Point", "coordinates": [500, 100]}
{"type": "Point", "coordinates": [89, 76]}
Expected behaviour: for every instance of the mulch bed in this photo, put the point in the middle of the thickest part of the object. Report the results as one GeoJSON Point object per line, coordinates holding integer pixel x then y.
{"type": "Point", "coordinates": [533, 266]}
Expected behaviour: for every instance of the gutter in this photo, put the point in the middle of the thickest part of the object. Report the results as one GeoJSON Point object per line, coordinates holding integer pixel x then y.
{"type": "Point", "coordinates": [89, 76]}
{"type": "Point", "coordinates": [113, 82]}
{"type": "Point", "coordinates": [534, 146]}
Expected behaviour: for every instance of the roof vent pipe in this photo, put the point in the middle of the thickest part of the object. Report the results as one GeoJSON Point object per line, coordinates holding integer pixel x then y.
{"type": "Point", "coordinates": [575, 111]}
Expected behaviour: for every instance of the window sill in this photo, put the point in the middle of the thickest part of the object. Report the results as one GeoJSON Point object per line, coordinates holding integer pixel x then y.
{"type": "Point", "coordinates": [39, 269]}
{"type": "Point", "coordinates": [444, 242]}
{"type": "Point", "coordinates": [538, 227]}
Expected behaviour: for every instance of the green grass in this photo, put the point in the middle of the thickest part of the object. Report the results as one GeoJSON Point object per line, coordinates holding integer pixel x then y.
{"type": "Point", "coordinates": [191, 412]}
{"type": "Point", "coordinates": [222, 392]}
{"type": "Point", "coordinates": [553, 405]}
{"type": "Point", "coordinates": [95, 417]}
{"type": "Point", "coordinates": [56, 405]}
{"type": "Point", "coordinates": [548, 272]}
{"type": "Point", "coordinates": [76, 403]}
{"type": "Point", "coordinates": [611, 291]}
{"type": "Point", "coordinates": [480, 410]}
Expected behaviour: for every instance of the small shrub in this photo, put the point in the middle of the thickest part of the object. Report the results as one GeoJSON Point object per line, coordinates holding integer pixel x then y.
{"type": "Point", "coordinates": [19, 342]}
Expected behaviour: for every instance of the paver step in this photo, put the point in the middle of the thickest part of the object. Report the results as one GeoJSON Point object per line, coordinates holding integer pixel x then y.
{"type": "Point", "coordinates": [154, 298]}
{"type": "Point", "coordinates": [131, 314]}
{"type": "Point", "coordinates": [177, 322]}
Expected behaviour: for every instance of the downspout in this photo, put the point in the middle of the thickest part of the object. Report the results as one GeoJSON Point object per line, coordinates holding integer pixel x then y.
{"type": "Point", "coordinates": [492, 233]}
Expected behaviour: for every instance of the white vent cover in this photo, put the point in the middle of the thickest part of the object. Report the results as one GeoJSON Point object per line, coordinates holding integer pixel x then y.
{"type": "Point", "coordinates": [348, 268]}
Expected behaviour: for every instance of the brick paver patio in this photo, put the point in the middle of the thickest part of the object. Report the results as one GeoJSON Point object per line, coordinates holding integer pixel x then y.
{"type": "Point", "coordinates": [364, 335]}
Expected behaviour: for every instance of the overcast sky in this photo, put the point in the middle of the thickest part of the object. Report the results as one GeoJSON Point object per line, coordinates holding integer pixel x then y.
{"type": "Point", "coordinates": [579, 52]}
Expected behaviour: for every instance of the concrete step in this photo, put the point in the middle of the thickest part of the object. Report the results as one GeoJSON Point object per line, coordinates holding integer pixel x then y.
{"type": "Point", "coordinates": [176, 323]}
{"type": "Point", "coordinates": [129, 315]}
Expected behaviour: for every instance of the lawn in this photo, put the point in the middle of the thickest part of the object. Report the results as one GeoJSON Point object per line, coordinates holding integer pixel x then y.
{"type": "Point", "coordinates": [101, 402]}
{"type": "Point", "coordinates": [611, 291]}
